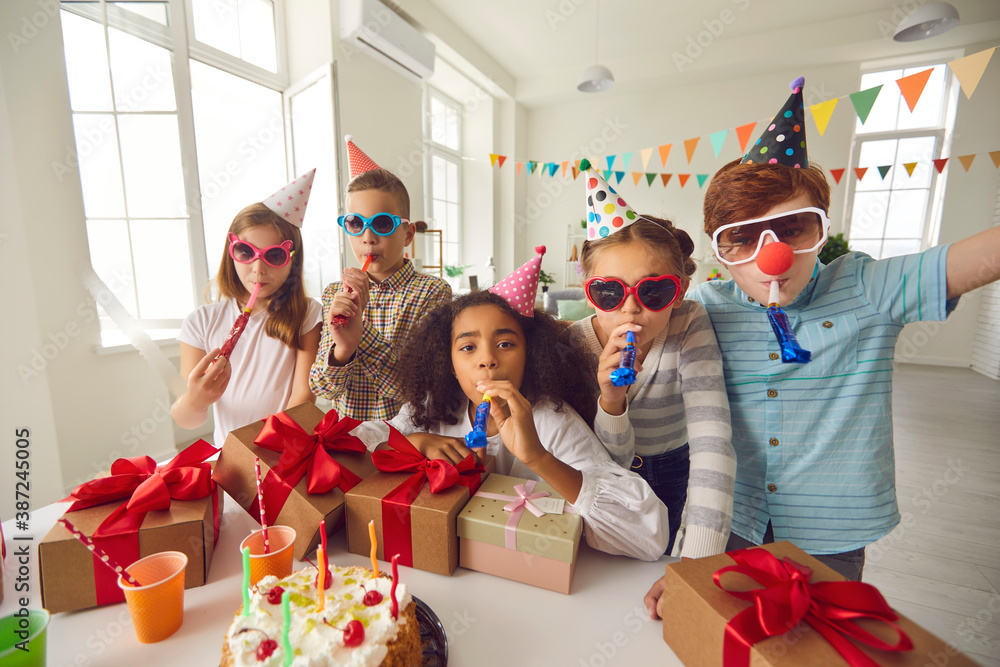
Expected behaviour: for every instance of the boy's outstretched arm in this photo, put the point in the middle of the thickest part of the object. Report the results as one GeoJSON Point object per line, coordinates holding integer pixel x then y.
{"type": "Point", "coordinates": [973, 262]}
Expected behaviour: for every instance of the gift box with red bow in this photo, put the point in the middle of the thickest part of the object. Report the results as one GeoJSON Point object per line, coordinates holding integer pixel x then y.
{"type": "Point", "coordinates": [775, 604]}
{"type": "Point", "coordinates": [308, 461]}
{"type": "Point", "coordinates": [139, 509]}
{"type": "Point", "coordinates": [522, 530]}
{"type": "Point", "coordinates": [414, 503]}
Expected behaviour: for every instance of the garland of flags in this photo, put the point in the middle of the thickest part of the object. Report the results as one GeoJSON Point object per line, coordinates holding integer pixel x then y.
{"type": "Point", "coordinates": [968, 70]}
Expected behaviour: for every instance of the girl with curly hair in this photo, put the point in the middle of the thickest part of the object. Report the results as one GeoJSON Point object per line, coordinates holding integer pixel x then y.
{"type": "Point", "coordinates": [543, 393]}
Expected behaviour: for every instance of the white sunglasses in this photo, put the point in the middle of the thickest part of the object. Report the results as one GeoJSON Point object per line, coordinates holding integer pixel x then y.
{"type": "Point", "coordinates": [804, 229]}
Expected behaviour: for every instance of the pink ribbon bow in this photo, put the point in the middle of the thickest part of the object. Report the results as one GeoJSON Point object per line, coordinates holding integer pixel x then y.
{"type": "Point", "coordinates": [516, 508]}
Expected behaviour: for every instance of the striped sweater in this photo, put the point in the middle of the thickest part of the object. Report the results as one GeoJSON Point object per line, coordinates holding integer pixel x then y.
{"type": "Point", "coordinates": [680, 397]}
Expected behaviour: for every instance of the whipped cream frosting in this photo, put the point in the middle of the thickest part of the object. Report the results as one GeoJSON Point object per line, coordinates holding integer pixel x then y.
{"type": "Point", "coordinates": [317, 638]}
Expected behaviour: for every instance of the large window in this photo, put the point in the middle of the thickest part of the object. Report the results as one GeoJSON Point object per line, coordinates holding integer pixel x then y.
{"type": "Point", "coordinates": [443, 132]}
{"type": "Point", "coordinates": [179, 124]}
{"type": "Point", "coordinates": [897, 203]}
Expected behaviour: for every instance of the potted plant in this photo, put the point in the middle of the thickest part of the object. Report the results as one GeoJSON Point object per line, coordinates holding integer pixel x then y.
{"type": "Point", "coordinates": [545, 279]}
{"type": "Point", "coordinates": [835, 246]}
{"type": "Point", "coordinates": [454, 273]}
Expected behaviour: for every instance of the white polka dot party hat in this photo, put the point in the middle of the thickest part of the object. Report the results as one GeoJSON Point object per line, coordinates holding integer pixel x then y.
{"type": "Point", "coordinates": [290, 201]}
{"type": "Point", "coordinates": [356, 158]}
{"type": "Point", "coordinates": [519, 288]}
{"type": "Point", "coordinates": [607, 213]}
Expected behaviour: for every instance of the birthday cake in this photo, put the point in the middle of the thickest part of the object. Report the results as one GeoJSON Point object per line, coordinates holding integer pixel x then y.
{"type": "Point", "coordinates": [356, 626]}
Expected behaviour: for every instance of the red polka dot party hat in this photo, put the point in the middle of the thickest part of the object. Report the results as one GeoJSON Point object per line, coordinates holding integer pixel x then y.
{"type": "Point", "coordinates": [356, 158]}
{"type": "Point", "coordinates": [784, 139]}
{"type": "Point", "coordinates": [290, 201]}
{"type": "Point", "coordinates": [519, 288]}
{"type": "Point", "coordinates": [607, 212]}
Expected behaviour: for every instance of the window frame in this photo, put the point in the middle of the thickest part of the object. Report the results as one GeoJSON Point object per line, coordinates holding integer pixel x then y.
{"type": "Point", "coordinates": [434, 149]}
{"type": "Point", "coordinates": [942, 134]}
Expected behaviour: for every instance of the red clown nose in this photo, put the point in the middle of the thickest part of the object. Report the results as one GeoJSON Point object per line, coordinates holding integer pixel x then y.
{"type": "Point", "coordinates": [775, 258]}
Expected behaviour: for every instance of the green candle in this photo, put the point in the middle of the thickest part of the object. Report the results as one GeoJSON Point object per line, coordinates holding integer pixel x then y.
{"type": "Point", "coordinates": [246, 581]}
{"type": "Point", "coordinates": [286, 625]}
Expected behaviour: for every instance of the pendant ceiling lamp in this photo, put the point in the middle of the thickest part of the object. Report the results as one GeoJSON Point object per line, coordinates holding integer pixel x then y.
{"type": "Point", "coordinates": [597, 77]}
{"type": "Point", "coordinates": [928, 20]}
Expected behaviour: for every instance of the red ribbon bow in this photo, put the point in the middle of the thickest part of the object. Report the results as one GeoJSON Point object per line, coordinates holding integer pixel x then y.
{"type": "Point", "coordinates": [440, 475]}
{"type": "Point", "coordinates": [305, 454]}
{"type": "Point", "coordinates": [831, 607]}
{"type": "Point", "coordinates": [147, 487]}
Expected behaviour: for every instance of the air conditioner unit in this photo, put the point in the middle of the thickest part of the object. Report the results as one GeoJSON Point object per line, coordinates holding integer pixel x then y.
{"type": "Point", "coordinates": [373, 28]}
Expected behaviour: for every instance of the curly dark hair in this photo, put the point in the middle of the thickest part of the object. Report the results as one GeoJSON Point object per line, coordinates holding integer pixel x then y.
{"type": "Point", "coordinates": [557, 365]}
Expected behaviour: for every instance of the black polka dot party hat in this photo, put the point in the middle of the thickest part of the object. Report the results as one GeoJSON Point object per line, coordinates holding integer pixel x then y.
{"type": "Point", "coordinates": [784, 140]}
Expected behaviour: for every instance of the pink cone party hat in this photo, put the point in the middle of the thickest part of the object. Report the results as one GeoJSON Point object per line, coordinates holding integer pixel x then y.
{"type": "Point", "coordinates": [359, 162]}
{"type": "Point", "coordinates": [606, 211]}
{"type": "Point", "coordinates": [290, 201]}
{"type": "Point", "coordinates": [519, 288]}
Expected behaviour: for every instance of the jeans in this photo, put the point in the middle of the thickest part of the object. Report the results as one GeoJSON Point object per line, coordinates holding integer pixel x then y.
{"type": "Point", "coordinates": [667, 474]}
{"type": "Point", "coordinates": [850, 564]}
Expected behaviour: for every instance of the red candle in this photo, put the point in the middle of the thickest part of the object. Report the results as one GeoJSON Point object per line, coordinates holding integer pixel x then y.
{"type": "Point", "coordinates": [326, 556]}
{"type": "Point", "coordinates": [392, 591]}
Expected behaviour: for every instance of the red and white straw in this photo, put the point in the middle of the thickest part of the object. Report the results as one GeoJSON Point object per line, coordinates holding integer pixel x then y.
{"type": "Point", "coordinates": [100, 553]}
{"type": "Point", "coordinates": [260, 502]}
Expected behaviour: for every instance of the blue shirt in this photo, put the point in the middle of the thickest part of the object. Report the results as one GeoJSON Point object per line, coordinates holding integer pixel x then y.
{"type": "Point", "coordinates": [813, 441]}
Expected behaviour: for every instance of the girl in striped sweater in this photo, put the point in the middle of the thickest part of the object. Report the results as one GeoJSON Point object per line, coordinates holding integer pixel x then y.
{"type": "Point", "coordinates": [671, 426]}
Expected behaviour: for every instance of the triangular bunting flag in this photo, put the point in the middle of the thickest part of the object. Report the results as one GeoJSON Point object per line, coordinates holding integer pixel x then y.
{"type": "Point", "coordinates": [611, 161]}
{"type": "Point", "coordinates": [683, 178]}
{"type": "Point", "coordinates": [626, 159]}
{"type": "Point", "coordinates": [701, 179]}
{"type": "Point", "coordinates": [606, 175]}
{"type": "Point", "coordinates": [645, 154]}
{"type": "Point", "coordinates": [493, 159]}
{"type": "Point", "coordinates": [821, 113]}
{"type": "Point", "coordinates": [910, 166]}
{"type": "Point", "coordinates": [576, 172]}
{"type": "Point", "coordinates": [912, 86]}
{"type": "Point", "coordinates": [636, 177]}
{"type": "Point", "coordinates": [531, 166]}
{"type": "Point", "coordinates": [652, 177]}
{"type": "Point", "coordinates": [995, 156]}
{"type": "Point", "coordinates": [884, 170]}
{"type": "Point", "coordinates": [564, 165]}
{"type": "Point", "coordinates": [970, 69]}
{"type": "Point", "coordinates": [665, 178]}
{"type": "Point", "coordinates": [743, 133]}
{"type": "Point", "coordinates": [545, 168]}
{"type": "Point", "coordinates": [501, 159]}
{"type": "Point", "coordinates": [664, 152]}
{"type": "Point", "coordinates": [689, 146]}
{"type": "Point", "coordinates": [718, 138]}
{"type": "Point", "coordinates": [519, 166]}
{"type": "Point", "coordinates": [966, 160]}
{"type": "Point", "coordinates": [619, 175]}
{"type": "Point", "coordinates": [837, 175]}
{"type": "Point", "coordinates": [860, 171]}
{"type": "Point", "coordinates": [940, 163]}
{"type": "Point", "coordinates": [553, 167]}
{"type": "Point", "coordinates": [864, 100]}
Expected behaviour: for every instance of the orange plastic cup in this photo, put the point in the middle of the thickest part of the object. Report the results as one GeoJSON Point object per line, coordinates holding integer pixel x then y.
{"type": "Point", "coordinates": [157, 607]}
{"type": "Point", "coordinates": [279, 561]}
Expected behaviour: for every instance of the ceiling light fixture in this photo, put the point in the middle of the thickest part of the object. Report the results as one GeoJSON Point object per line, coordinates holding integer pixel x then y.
{"type": "Point", "coordinates": [597, 77]}
{"type": "Point", "coordinates": [930, 20]}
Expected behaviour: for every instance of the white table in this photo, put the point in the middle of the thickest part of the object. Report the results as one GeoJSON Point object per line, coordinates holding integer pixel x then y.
{"type": "Point", "coordinates": [488, 620]}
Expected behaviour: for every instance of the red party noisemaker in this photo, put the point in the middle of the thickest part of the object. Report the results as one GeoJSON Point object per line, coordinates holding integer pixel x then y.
{"type": "Point", "coordinates": [340, 320]}
{"type": "Point", "coordinates": [238, 326]}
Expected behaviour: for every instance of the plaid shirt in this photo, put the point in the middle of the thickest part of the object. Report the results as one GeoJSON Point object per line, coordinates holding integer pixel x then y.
{"type": "Point", "coordinates": [365, 387]}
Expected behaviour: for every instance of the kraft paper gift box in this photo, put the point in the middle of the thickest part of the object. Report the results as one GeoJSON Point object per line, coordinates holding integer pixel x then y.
{"type": "Point", "coordinates": [414, 510]}
{"type": "Point", "coordinates": [517, 543]}
{"type": "Point", "coordinates": [696, 613]}
{"type": "Point", "coordinates": [307, 462]}
{"type": "Point", "coordinates": [73, 578]}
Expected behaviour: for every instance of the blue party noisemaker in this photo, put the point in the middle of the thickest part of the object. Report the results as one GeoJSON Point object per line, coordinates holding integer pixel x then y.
{"type": "Point", "coordinates": [791, 351]}
{"type": "Point", "coordinates": [477, 436]}
{"type": "Point", "coordinates": [624, 375]}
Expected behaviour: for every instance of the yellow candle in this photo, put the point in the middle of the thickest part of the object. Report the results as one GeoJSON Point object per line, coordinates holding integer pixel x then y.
{"type": "Point", "coordinates": [321, 558]}
{"type": "Point", "coordinates": [374, 541]}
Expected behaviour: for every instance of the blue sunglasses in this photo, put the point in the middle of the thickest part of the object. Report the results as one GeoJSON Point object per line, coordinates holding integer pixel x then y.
{"type": "Point", "coordinates": [382, 224]}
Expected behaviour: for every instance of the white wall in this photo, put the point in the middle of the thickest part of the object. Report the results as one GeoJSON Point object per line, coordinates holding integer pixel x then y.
{"type": "Point", "coordinates": [598, 125]}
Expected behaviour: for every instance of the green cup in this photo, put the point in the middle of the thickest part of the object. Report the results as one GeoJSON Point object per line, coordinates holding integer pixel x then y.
{"type": "Point", "coordinates": [27, 631]}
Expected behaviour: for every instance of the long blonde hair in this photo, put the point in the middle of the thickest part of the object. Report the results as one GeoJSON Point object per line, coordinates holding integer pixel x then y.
{"type": "Point", "coordinates": [287, 307]}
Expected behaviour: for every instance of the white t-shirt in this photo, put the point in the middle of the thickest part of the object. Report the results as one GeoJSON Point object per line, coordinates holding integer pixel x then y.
{"type": "Point", "coordinates": [263, 367]}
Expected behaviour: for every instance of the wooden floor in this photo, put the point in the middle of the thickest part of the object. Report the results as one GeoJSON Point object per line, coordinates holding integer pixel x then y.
{"type": "Point", "coordinates": [941, 565]}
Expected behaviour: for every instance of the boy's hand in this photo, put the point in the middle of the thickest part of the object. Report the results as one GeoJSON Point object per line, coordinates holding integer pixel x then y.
{"type": "Point", "coordinates": [514, 421]}
{"type": "Point", "coordinates": [358, 282]}
{"type": "Point", "coordinates": [439, 447]}
{"type": "Point", "coordinates": [207, 381]}
{"type": "Point", "coordinates": [612, 397]}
